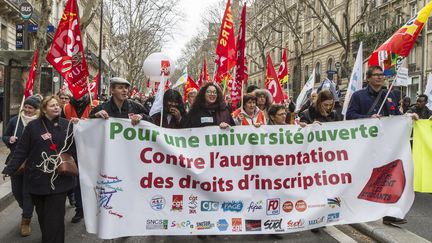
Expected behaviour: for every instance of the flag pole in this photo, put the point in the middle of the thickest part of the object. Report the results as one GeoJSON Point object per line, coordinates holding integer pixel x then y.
{"type": "Point", "coordinates": [19, 115]}
{"type": "Point", "coordinates": [161, 118]}
{"type": "Point", "coordinates": [385, 98]}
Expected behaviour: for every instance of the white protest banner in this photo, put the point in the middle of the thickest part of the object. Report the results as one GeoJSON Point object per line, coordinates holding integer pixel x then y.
{"type": "Point", "coordinates": [147, 180]}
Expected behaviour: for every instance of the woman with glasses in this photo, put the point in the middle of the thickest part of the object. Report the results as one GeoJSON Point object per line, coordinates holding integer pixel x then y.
{"type": "Point", "coordinates": [249, 114]}
{"type": "Point", "coordinates": [64, 98]}
{"type": "Point", "coordinates": [173, 110]}
{"type": "Point", "coordinates": [322, 110]}
{"type": "Point", "coordinates": [277, 114]}
{"type": "Point", "coordinates": [209, 109]}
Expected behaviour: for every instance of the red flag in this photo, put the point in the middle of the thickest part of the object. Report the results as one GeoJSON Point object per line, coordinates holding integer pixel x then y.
{"type": "Point", "coordinates": [94, 86]}
{"type": "Point", "coordinates": [134, 91]}
{"type": "Point", "coordinates": [148, 83]}
{"type": "Point", "coordinates": [241, 66]}
{"type": "Point", "coordinates": [234, 89]}
{"type": "Point", "coordinates": [400, 44]}
{"type": "Point", "coordinates": [272, 84]}
{"type": "Point", "coordinates": [67, 53]}
{"type": "Point", "coordinates": [283, 69]}
{"type": "Point", "coordinates": [189, 85]}
{"type": "Point", "coordinates": [206, 76]}
{"type": "Point", "coordinates": [225, 49]}
{"type": "Point", "coordinates": [200, 80]}
{"type": "Point", "coordinates": [30, 80]}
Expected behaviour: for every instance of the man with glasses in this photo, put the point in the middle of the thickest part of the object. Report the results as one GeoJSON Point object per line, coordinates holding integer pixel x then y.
{"type": "Point", "coordinates": [366, 102]}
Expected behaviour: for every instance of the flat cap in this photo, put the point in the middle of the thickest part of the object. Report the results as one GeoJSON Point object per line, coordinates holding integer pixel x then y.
{"type": "Point", "coordinates": [118, 80]}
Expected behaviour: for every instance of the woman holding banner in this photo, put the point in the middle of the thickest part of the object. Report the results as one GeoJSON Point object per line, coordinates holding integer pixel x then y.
{"type": "Point", "coordinates": [249, 114]}
{"type": "Point", "coordinates": [209, 109]}
{"type": "Point", "coordinates": [322, 110]}
{"type": "Point", "coordinates": [12, 134]}
{"type": "Point", "coordinates": [39, 146]}
{"type": "Point", "coordinates": [277, 114]}
{"type": "Point", "coordinates": [173, 110]}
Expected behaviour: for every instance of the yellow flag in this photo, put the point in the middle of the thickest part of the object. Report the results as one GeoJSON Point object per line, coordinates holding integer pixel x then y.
{"type": "Point", "coordinates": [422, 156]}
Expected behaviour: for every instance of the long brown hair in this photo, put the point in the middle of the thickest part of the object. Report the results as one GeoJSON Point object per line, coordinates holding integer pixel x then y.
{"type": "Point", "coordinates": [324, 95]}
{"type": "Point", "coordinates": [44, 104]}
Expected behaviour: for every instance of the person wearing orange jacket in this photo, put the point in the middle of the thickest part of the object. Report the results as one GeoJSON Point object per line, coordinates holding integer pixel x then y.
{"type": "Point", "coordinates": [249, 114]}
{"type": "Point", "coordinates": [81, 109]}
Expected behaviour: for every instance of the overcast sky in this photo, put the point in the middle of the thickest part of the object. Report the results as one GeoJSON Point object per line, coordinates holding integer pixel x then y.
{"type": "Point", "coordinates": [192, 10]}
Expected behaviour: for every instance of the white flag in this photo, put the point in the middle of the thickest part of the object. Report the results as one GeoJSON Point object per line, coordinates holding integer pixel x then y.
{"type": "Point", "coordinates": [182, 80]}
{"type": "Point", "coordinates": [356, 79]}
{"type": "Point", "coordinates": [302, 96]}
{"type": "Point", "coordinates": [158, 102]}
{"type": "Point", "coordinates": [428, 91]}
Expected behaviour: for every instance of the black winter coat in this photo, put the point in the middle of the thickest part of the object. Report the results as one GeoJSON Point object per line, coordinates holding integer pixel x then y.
{"type": "Point", "coordinates": [127, 108]}
{"type": "Point", "coordinates": [30, 147]}
{"type": "Point", "coordinates": [207, 117]}
{"type": "Point", "coordinates": [10, 129]}
{"type": "Point", "coordinates": [311, 114]}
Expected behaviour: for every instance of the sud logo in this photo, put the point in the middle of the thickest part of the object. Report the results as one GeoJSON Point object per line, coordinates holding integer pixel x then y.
{"type": "Point", "coordinates": [255, 206]}
{"type": "Point", "coordinates": [295, 224]}
{"type": "Point", "coordinates": [209, 206]}
{"type": "Point", "coordinates": [274, 224]}
{"type": "Point", "coordinates": [232, 206]}
{"type": "Point", "coordinates": [157, 202]}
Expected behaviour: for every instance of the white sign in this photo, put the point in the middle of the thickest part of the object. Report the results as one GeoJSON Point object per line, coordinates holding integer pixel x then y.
{"type": "Point", "coordinates": [402, 77]}
{"type": "Point", "coordinates": [147, 180]}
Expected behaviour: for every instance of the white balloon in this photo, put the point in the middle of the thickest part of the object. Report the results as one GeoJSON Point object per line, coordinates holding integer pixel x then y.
{"type": "Point", "coordinates": [153, 66]}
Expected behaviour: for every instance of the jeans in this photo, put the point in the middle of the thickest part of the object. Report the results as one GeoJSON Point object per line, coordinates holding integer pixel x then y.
{"type": "Point", "coordinates": [22, 196]}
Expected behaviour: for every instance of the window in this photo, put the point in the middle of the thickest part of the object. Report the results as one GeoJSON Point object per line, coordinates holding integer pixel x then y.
{"type": "Point", "coordinates": [413, 55]}
{"type": "Point", "coordinates": [318, 72]}
{"type": "Point", "coordinates": [330, 64]}
{"type": "Point", "coordinates": [319, 37]}
{"type": "Point", "coordinates": [413, 9]}
{"type": "Point", "coordinates": [413, 88]}
{"type": "Point", "coordinates": [306, 72]}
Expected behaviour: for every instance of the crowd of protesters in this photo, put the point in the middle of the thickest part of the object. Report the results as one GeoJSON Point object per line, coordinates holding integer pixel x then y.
{"type": "Point", "coordinates": [43, 127]}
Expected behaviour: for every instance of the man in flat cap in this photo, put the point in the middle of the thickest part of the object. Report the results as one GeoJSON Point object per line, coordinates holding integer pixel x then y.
{"type": "Point", "coordinates": [119, 105]}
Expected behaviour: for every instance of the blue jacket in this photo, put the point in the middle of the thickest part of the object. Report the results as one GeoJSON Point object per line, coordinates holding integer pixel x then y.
{"type": "Point", "coordinates": [363, 99]}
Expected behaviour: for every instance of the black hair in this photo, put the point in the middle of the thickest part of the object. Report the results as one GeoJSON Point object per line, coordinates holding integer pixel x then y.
{"type": "Point", "coordinates": [173, 96]}
{"type": "Point", "coordinates": [423, 96]}
{"type": "Point", "coordinates": [370, 70]}
{"type": "Point", "coordinates": [200, 103]}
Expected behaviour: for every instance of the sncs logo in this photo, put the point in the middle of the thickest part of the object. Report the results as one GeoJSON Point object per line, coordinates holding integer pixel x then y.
{"type": "Point", "coordinates": [222, 225]}
{"type": "Point", "coordinates": [209, 206]}
{"type": "Point", "coordinates": [232, 206]}
{"type": "Point", "coordinates": [334, 202]}
{"type": "Point", "coordinates": [157, 224]}
{"type": "Point", "coordinates": [253, 206]}
{"type": "Point", "coordinates": [157, 202]}
{"type": "Point", "coordinates": [273, 206]}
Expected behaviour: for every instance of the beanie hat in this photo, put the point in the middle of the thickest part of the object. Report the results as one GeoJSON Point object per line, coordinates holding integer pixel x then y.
{"type": "Point", "coordinates": [33, 101]}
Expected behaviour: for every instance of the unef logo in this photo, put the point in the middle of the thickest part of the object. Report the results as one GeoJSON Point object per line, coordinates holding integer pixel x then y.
{"type": "Point", "coordinates": [177, 203]}
{"type": "Point", "coordinates": [273, 206]}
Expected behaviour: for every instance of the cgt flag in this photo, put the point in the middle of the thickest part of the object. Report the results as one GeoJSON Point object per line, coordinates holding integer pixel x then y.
{"type": "Point", "coordinates": [66, 53]}
{"type": "Point", "coordinates": [225, 48]}
{"type": "Point", "coordinates": [93, 86]}
{"type": "Point", "coordinates": [189, 85]}
{"type": "Point", "coordinates": [241, 66]}
{"type": "Point", "coordinates": [30, 81]}
{"type": "Point", "coordinates": [390, 54]}
{"type": "Point", "coordinates": [283, 69]}
{"type": "Point", "coordinates": [272, 84]}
